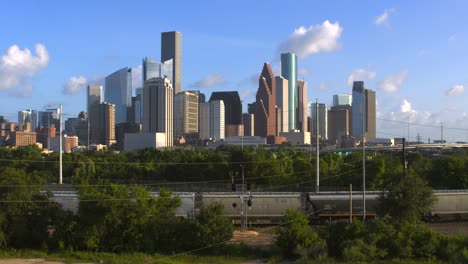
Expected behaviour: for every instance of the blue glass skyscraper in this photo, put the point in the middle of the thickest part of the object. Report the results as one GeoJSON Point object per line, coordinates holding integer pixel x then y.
{"type": "Point", "coordinates": [155, 69]}
{"type": "Point", "coordinates": [289, 72]}
{"type": "Point", "coordinates": [118, 91]}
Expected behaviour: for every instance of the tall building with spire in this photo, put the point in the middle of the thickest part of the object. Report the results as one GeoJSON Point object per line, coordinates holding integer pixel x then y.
{"type": "Point", "coordinates": [265, 104]}
{"type": "Point", "coordinates": [171, 48]}
{"type": "Point", "coordinates": [289, 71]}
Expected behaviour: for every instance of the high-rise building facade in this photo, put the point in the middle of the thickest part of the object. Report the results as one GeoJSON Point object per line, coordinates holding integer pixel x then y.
{"type": "Point", "coordinates": [249, 123]}
{"type": "Point", "coordinates": [282, 101]}
{"type": "Point", "coordinates": [302, 106]}
{"type": "Point", "coordinates": [322, 120]}
{"type": "Point", "coordinates": [49, 117]}
{"type": "Point", "coordinates": [232, 104]}
{"type": "Point", "coordinates": [342, 99]}
{"type": "Point", "coordinates": [103, 124]}
{"type": "Point", "coordinates": [289, 71]}
{"type": "Point", "coordinates": [212, 123]}
{"type": "Point", "coordinates": [153, 69]}
{"type": "Point", "coordinates": [94, 93]}
{"type": "Point", "coordinates": [265, 104]}
{"type": "Point", "coordinates": [363, 114]}
{"type": "Point", "coordinates": [118, 91]}
{"type": "Point", "coordinates": [185, 113]}
{"type": "Point", "coordinates": [78, 126]}
{"type": "Point", "coordinates": [339, 122]}
{"type": "Point", "coordinates": [158, 99]}
{"type": "Point", "coordinates": [171, 48]}
{"type": "Point", "coordinates": [28, 116]}
{"type": "Point", "coordinates": [217, 122]}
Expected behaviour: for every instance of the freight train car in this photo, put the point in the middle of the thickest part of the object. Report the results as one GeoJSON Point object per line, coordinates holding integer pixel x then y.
{"type": "Point", "coordinates": [263, 208]}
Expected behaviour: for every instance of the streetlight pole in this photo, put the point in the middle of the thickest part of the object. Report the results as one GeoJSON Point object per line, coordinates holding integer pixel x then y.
{"type": "Point", "coordinates": [317, 162]}
{"type": "Point", "coordinates": [363, 156]}
{"type": "Point", "coordinates": [60, 145]}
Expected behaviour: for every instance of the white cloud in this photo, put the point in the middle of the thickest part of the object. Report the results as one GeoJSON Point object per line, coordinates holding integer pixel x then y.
{"type": "Point", "coordinates": [137, 77]}
{"type": "Point", "coordinates": [210, 80]}
{"type": "Point", "coordinates": [384, 18]}
{"type": "Point", "coordinates": [455, 90]}
{"type": "Point", "coordinates": [405, 106]}
{"type": "Point", "coordinates": [17, 65]}
{"type": "Point", "coordinates": [74, 85]}
{"type": "Point", "coordinates": [316, 38]}
{"type": "Point", "coordinates": [392, 83]}
{"type": "Point", "coordinates": [360, 75]}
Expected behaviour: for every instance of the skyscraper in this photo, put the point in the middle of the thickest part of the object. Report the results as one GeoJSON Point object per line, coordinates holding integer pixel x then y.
{"type": "Point", "coordinates": [49, 117]}
{"type": "Point", "coordinates": [158, 107]}
{"type": "Point", "coordinates": [265, 104]}
{"type": "Point", "coordinates": [342, 99]}
{"type": "Point", "coordinates": [249, 123]}
{"type": "Point", "coordinates": [211, 125]}
{"type": "Point", "coordinates": [185, 113]}
{"type": "Point", "coordinates": [289, 71]}
{"type": "Point", "coordinates": [282, 93]}
{"type": "Point", "coordinates": [103, 124]}
{"type": "Point", "coordinates": [302, 106]}
{"type": "Point", "coordinates": [322, 120]}
{"type": "Point", "coordinates": [154, 69]}
{"type": "Point", "coordinates": [363, 106]}
{"type": "Point", "coordinates": [118, 91]}
{"type": "Point", "coordinates": [171, 48]}
{"type": "Point", "coordinates": [28, 116]}
{"type": "Point", "coordinates": [339, 122]}
{"type": "Point", "coordinates": [232, 104]}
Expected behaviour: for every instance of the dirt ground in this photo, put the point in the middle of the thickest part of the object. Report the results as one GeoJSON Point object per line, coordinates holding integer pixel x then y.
{"type": "Point", "coordinates": [255, 237]}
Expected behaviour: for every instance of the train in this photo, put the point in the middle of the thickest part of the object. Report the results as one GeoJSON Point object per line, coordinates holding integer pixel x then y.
{"type": "Point", "coordinates": [264, 208]}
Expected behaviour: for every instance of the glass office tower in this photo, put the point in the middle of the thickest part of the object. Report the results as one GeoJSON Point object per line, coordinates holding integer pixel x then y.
{"type": "Point", "coordinates": [171, 48]}
{"type": "Point", "coordinates": [289, 72]}
{"type": "Point", "coordinates": [118, 91]}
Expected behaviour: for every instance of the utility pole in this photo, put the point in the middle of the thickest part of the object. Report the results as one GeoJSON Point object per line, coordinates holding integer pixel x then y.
{"type": "Point", "coordinates": [441, 132]}
{"type": "Point", "coordinates": [404, 158]}
{"type": "Point", "coordinates": [243, 207]}
{"type": "Point", "coordinates": [317, 162]}
{"type": "Point", "coordinates": [351, 203]}
{"type": "Point", "coordinates": [60, 144]}
{"type": "Point", "coordinates": [363, 108]}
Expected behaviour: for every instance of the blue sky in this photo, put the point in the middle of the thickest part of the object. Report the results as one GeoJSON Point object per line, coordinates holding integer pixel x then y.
{"type": "Point", "coordinates": [412, 53]}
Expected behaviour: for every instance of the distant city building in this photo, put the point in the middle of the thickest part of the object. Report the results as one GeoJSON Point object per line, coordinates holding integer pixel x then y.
{"type": "Point", "coordinates": [232, 104]}
{"type": "Point", "coordinates": [322, 118]}
{"type": "Point", "coordinates": [339, 123]}
{"type": "Point", "coordinates": [22, 139]}
{"type": "Point", "coordinates": [78, 126]}
{"type": "Point", "coordinates": [49, 117]}
{"type": "Point", "coordinates": [138, 141]}
{"type": "Point", "coordinates": [265, 104]}
{"type": "Point", "coordinates": [342, 99]}
{"type": "Point", "coordinates": [26, 116]}
{"type": "Point", "coordinates": [248, 121]}
{"type": "Point", "coordinates": [185, 113]}
{"type": "Point", "coordinates": [289, 71]}
{"type": "Point", "coordinates": [234, 131]}
{"type": "Point", "coordinates": [44, 135]}
{"type": "Point", "coordinates": [158, 99]}
{"type": "Point", "coordinates": [212, 123]}
{"type": "Point", "coordinates": [103, 124]}
{"type": "Point", "coordinates": [363, 102]}
{"type": "Point", "coordinates": [217, 120]}
{"type": "Point", "coordinates": [154, 69]}
{"type": "Point", "coordinates": [296, 137]}
{"type": "Point", "coordinates": [302, 105]}
{"type": "Point", "coordinates": [171, 48]}
{"type": "Point", "coordinates": [282, 101]}
{"type": "Point", "coordinates": [94, 96]}
{"type": "Point", "coordinates": [122, 129]}
{"type": "Point", "coordinates": [69, 142]}
{"type": "Point", "coordinates": [118, 91]}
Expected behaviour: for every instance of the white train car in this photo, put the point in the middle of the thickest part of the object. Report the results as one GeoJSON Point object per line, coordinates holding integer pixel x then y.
{"type": "Point", "coordinates": [265, 208]}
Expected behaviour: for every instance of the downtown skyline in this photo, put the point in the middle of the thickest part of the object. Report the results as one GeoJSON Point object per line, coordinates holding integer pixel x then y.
{"type": "Point", "coordinates": [412, 61]}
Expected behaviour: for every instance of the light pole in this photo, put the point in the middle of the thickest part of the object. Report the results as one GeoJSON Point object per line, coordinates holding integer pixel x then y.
{"type": "Point", "coordinates": [317, 162]}
{"type": "Point", "coordinates": [363, 108]}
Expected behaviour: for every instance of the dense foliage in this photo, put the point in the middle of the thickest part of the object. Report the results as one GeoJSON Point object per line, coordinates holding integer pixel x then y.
{"type": "Point", "coordinates": [282, 169]}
